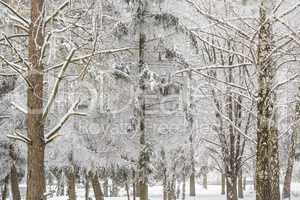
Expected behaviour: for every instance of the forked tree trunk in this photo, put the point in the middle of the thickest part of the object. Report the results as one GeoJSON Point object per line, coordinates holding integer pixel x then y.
{"type": "Point", "coordinates": [71, 181]}
{"type": "Point", "coordinates": [35, 124]}
{"type": "Point", "coordinates": [223, 183]}
{"type": "Point", "coordinates": [240, 185]}
{"type": "Point", "coordinates": [96, 186]}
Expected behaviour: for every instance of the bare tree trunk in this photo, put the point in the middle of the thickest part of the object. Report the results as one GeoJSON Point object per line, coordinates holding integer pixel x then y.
{"type": "Point", "coordinates": [87, 186]}
{"type": "Point", "coordinates": [245, 183]}
{"type": "Point", "coordinates": [60, 183]}
{"type": "Point", "coordinates": [192, 185]}
{"type": "Point", "coordinates": [144, 158]}
{"type": "Point", "coordinates": [127, 191]}
{"type": "Point", "coordinates": [71, 180]}
{"type": "Point", "coordinates": [286, 193]}
{"type": "Point", "coordinates": [114, 189]}
{"type": "Point", "coordinates": [165, 186]}
{"type": "Point", "coordinates": [267, 163]}
{"type": "Point", "coordinates": [35, 125]}
{"type": "Point", "coordinates": [183, 186]}
{"type": "Point", "coordinates": [205, 180]}
{"type": "Point", "coordinates": [105, 187]}
{"type": "Point", "coordinates": [223, 183]}
{"type": "Point", "coordinates": [240, 185]}
{"type": "Point", "coordinates": [5, 188]}
{"type": "Point", "coordinates": [231, 183]}
{"type": "Point", "coordinates": [14, 179]}
{"type": "Point", "coordinates": [178, 190]}
{"type": "Point", "coordinates": [96, 186]}
{"type": "Point", "coordinates": [171, 189]}
{"type": "Point", "coordinates": [134, 191]}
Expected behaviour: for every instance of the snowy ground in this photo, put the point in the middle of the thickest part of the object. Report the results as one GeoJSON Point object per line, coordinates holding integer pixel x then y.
{"type": "Point", "coordinates": [212, 193]}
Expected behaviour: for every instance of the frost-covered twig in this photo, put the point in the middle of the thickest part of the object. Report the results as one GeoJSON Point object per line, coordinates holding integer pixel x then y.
{"type": "Point", "coordinates": [20, 108]}
{"type": "Point", "coordinates": [108, 51]}
{"type": "Point", "coordinates": [235, 127]}
{"type": "Point", "coordinates": [224, 82]}
{"type": "Point", "coordinates": [20, 137]}
{"type": "Point", "coordinates": [14, 12]}
{"type": "Point", "coordinates": [17, 68]}
{"type": "Point", "coordinates": [57, 83]}
{"type": "Point", "coordinates": [63, 120]}
{"type": "Point", "coordinates": [14, 36]}
{"type": "Point", "coordinates": [284, 82]}
{"type": "Point", "coordinates": [219, 21]}
{"type": "Point", "coordinates": [57, 11]}
{"type": "Point", "coordinates": [16, 51]}
{"type": "Point", "coordinates": [211, 67]}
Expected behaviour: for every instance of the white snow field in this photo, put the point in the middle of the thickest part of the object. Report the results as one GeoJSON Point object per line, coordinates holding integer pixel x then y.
{"type": "Point", "coordinates": [212, 193]}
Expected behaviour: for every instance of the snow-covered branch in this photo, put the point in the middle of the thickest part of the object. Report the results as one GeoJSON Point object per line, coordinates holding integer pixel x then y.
{"type": "Point", "coordinates": [16, 51]}
{"type": "Point", "coordinates": [20, 137]}
{"type": "Point", "coordinates": [213, 67]}
{"type": "Point", "coordinates": [109, 51]}
{"type": "Point", "coordinates": [14, 12]}
{"type": "Point", "coordinates": [57, 83]}
{"type": "Point", "coordinates": [71, 112]}
{"type": "Point", "coordinates": [57, 11]}
{"type": "Point", "coordinates": [20, 108]}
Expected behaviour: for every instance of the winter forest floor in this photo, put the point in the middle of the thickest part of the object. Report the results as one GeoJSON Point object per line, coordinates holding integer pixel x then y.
{"type": "Point", "coordinates": [212, 193]}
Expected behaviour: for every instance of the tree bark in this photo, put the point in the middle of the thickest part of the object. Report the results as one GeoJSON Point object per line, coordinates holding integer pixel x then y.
{"type": "Point", "coordinates": [144, 158]}
{"type": "Point", "coordinates": [231, 186]}
{"type": "Point", "coordinates": [267, 163]}
{"type": "Point", "coordinates": [96, 187]}
{"type": "Point", "coordinates": [35, 124]}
